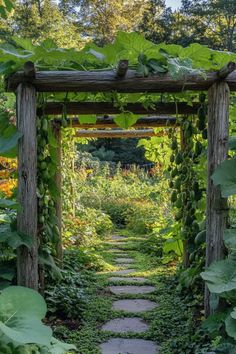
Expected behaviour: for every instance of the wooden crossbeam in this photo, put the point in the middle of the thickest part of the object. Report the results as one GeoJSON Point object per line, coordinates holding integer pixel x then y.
{"type": "Point", "coordinates": [76, 108]}
{"type": "Point", "coordinates": [119, 133]}
{"type": "Point", "coordinates": [108, 122]}
{"type": "Point", "coordinates": [106, 81]}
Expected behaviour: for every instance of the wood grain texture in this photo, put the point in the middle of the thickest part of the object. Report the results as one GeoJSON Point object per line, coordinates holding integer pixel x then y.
{"type": "Point", "coordinates": [142, 133]}
{"type": "Point", "coordinates": [105, 81]}
{"type": "Point", "coordinates": [27, 259]}
{"type": "Point", "coordinates": [217, 209]}
{"type": "Point", "coordinates": [76, 108]}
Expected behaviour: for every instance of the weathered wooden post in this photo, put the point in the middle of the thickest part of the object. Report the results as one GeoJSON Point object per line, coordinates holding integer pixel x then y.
{"type": "Point", "coordinates": [59, 249]}
{"type": "Point", "coordinates": [216, 216]}
{"type": "Point", "coordinates": [27, 259]}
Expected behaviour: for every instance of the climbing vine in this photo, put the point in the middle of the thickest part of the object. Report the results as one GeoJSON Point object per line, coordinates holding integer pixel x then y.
{"type": "Point", "coordinates": [47, 192]}
{"type": "Point", "coordinates": [185, 180]}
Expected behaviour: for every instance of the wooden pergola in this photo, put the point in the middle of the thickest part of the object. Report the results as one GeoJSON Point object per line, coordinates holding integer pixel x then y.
{"type": "Point", "coordinates": [28, 83]}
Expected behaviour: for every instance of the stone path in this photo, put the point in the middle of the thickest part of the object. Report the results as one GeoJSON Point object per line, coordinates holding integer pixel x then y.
{"type": "Point", "coordinates": [129, 346]}
{"type": "Point", "coordinates": [136, 305]}
{"type": "Point", "coordinates": [124, 260]}
{"type": "Point", "coordinates": [133, 324]}
{"type": "Point", "coordinates": [128, 279]}
{"type": "Point", "coordinates": [131, 289]}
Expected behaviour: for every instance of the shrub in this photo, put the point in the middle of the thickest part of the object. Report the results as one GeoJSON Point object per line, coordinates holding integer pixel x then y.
{"type": "Point", "coordinates": [67, 299]}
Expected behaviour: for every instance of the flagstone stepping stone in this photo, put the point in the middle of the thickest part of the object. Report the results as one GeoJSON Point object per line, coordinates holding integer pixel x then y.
{"type": "Point", "coordinates": [131, 289]}
{"type": "Point", "coordinates": [116, 250]}
{"type": "Point", "coordinates": [129, 346]}
{"type": "Point", "coordinates": [124, 260]}
{"type": "Point", "coordinates": [115, 243]}
{"type": "Point", "coordinates": [116, 237]}
{"type": "Point", "coordinates": [123, 325]}
{"type": "Point", "coordinates": [121, 254]}
{"type": "Point", "coordinates": [128, 279]}
{"type": "Point", "coordinates": [123, 265]}
{"type": "Point", "coordinates": [124, 271]}
{"type": "Point", "coordinates": [136, 305]}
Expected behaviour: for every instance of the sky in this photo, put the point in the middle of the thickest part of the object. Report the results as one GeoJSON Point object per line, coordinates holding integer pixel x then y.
{"type": "Point", "coordinates": [173, 3]}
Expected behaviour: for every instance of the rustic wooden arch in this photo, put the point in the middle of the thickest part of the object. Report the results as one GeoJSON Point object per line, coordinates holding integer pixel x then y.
{"type": "Point", "coordinates": [26, 84]}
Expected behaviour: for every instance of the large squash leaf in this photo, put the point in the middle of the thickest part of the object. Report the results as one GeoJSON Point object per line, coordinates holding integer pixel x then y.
{"type": "Point", "coordinates": [173, 245]}
{"type": "Point", "coordinates": [230, 239]}
{"type": "Point", "coordinates": [220, 277]}
{"type": "Point", "coordinates": [125, 119]}
{"type": "Point", "coordinates": [230, 326]}
{"type": "Point", "coordinates": [21, 312]}
{"type": "Point", "coordinates": [225, 177]}
{"type": "Point", "coordinates": [8, 145]}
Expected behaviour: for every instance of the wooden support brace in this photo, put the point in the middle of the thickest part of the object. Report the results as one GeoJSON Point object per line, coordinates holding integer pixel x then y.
{"type": "Point", "coordinates": [216, 216]}
{"type": "Point", "coordinates": [27, 259]}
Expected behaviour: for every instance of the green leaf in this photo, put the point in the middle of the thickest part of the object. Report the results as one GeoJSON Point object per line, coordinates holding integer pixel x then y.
{"type": "Point", "coordinates": [8, 204]}
{"type": "Point", "coordinates": [45, 258]}
{"type": "Point", "coordinates": [21, 312]}
{"type": "Point", "coordinates": [13, 238]}
{"type": "Point", "coordinates": [233, 313]}
{"type": "Point", "coordinates": [58, 347]}
{"type": "Point", "coordinates": [220, 277]}
{"type": "Point", "coordinates": [173, 245]}
{"type": "Point", "coordinates": [23, 43]}
{"type": "Point", "coordinates": [3, 12]}
{"type": "Point", "coordinates": [214, 322]}
{"type": "Point", "coordinates": [230, 326]}
{"type": "Point", "coordinates": [230, 239]}
{"type": "Point", "coordinates": [88, 119]}
{"type": "Point", "coordinates": [232, 143]}
{"type": "Point", "coordinates": [179, 68]}
{"type": "Point", "coordinates": [8, 145]}
{"type": "Point", "coordinates": [126, 119]}
{"type": "Point", "coordinates": [9, 5]}
{"type": "Point", "coordinates": [225, 177]}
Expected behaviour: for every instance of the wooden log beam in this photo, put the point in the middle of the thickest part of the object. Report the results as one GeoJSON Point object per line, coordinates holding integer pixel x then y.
{"type": "Point", "coordinates": [27, 259]}
{"type": "Point", "coordinates": [217, 209]}
{"type": "Point", "coordinates": [103, 122]}
{"type": "Point", "coordinates": [142, 133]}
{"type": "Point", "coordinates": [122, 68]}
{"type": "Point", "coordinates": [106, 81]}
{"type": "Point", "coordinates": [76, 108]}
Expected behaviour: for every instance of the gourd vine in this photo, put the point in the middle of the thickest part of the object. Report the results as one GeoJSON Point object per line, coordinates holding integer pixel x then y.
{"type": "Point", "coordinates": [47, 191]}
{"type": "Point", "coordinates": [184, 179]}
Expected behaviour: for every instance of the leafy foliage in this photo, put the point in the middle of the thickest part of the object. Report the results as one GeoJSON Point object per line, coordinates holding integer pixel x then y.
{"type": "Point", "coordinates": [21, 312]}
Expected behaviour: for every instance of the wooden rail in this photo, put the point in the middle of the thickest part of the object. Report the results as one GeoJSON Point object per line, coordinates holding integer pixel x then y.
{"type": "Point", "coordinates": [76, 108]}
{"type": "Point", "coordinates": [142, 133]}
{"type": "Point", "coordinates": [106, 81]}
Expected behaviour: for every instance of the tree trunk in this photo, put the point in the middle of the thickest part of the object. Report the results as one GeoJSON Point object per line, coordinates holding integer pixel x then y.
{"type": "Point", "coordinates": [216, 217]}
{"type": "Point", "coordinates": [27, 259]}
